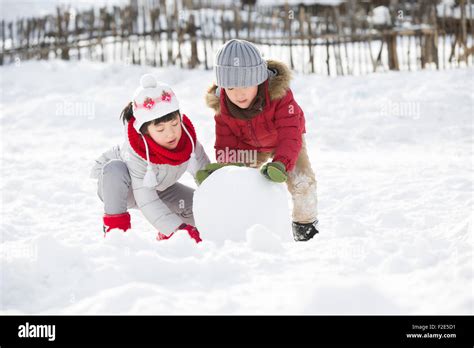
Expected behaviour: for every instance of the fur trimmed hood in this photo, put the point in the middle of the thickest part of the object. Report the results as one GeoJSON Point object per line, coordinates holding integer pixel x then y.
{"type": "Point", "coordinates": [278, 85]}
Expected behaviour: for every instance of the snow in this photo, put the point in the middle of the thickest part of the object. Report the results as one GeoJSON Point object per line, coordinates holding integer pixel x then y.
{"type": "Point", "coordinates": [380, 15]}
{"type": "Point", "coordinates": [298, 2]}
{"type": "Point", "coordinates": [393, 155]}
{"type": "Point", "coordinates": [13, 9]}
{"type": "Point", "coordinates": [233, 199]}
{"type": "Point", "coordinates": [448, 8]}
{"type": "Point", "coordinates": [260, 238]}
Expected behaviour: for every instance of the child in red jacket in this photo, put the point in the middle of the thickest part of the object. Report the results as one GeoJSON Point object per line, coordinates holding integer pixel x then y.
{"type": "Point", "coordinates": [257, 119]}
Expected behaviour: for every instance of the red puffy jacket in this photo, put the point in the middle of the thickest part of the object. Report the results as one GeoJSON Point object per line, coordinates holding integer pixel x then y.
{"type": "Point", "coordinates": [278, 128]}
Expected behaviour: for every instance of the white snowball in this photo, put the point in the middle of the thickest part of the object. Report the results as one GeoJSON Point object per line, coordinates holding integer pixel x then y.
{"type": "Point", "coordinates": [233, 199]}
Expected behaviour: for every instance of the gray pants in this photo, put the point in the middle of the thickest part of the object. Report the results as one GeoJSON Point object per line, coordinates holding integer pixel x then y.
{"type": "Point", "coordinates": [115, 190]}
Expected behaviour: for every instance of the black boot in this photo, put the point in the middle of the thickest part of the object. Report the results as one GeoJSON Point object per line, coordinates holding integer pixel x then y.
{"type": "Point", "coordinates": [304, 232]}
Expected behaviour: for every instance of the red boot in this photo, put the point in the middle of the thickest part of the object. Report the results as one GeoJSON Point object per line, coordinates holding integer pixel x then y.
{"type": "Point", "coordinates": [192, 231]}
{"type": "Point", "coordinates": [119, 221]}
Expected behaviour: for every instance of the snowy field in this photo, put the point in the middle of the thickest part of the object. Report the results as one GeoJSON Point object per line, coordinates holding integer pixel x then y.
{"type": "Point", "coordinates": [393, 155]}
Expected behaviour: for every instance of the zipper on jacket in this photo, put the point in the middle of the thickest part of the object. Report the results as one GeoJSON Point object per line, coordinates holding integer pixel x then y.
{"type": "Point", "coordinates": [252, 131]}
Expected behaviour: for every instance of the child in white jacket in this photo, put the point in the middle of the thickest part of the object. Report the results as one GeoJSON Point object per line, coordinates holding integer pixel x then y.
{"type": "Point", "coordinates": [160, 146]}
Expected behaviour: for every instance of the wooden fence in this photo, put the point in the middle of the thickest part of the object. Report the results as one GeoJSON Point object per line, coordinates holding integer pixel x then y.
{"type": "Point", "coordinates": [331, 40]}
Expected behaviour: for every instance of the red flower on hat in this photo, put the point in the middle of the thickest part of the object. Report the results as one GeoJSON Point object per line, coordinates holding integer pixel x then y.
{"type": "Point", "coordinates": [165, 96]}
{"type": "Point", "coordinates": [148, 103]}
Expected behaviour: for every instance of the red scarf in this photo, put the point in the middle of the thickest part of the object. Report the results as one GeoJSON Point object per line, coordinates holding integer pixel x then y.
{"type": "Point", "coordinates": [158, 154]}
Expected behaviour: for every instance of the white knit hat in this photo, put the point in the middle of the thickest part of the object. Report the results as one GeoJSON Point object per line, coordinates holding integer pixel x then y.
{"type": "Point", "coordinates": [152, 100]}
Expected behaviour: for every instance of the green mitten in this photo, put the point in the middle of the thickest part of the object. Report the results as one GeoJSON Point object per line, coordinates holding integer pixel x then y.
{"type": "Point", "coordinates": [210, 168]}
{"type": "Point", "coordinates": [275, 171]}
{"type": "Point", "coordinates": [201, 175]}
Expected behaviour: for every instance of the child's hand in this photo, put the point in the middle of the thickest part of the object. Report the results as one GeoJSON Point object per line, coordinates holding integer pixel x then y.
{"type": "Point", "coordinates": [202, 174]}
{"type": "Point", "coordinates": [274, 171]}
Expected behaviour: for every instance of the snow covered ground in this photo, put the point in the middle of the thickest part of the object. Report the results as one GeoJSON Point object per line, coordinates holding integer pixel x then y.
{"type": "Point", "coordinates": [393, 155]}
{"type": "Point", "coordinates": [11, 10]}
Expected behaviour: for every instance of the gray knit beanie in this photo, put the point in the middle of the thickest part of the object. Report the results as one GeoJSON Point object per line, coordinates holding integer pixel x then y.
{"type": "Point", "coordinates": [239, 63]}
